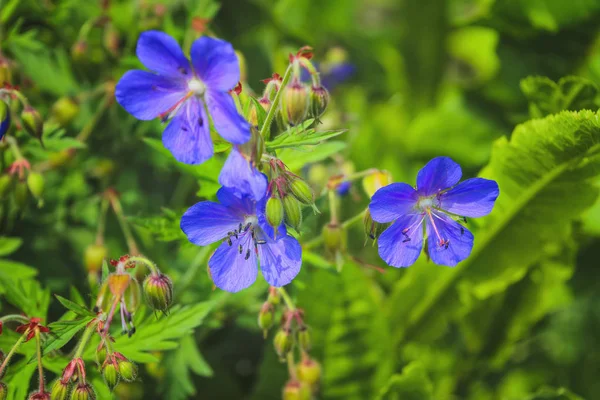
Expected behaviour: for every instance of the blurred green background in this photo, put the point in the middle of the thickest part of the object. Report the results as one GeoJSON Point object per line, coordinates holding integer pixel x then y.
{"type": "Point", "coordinates": [430, 78]}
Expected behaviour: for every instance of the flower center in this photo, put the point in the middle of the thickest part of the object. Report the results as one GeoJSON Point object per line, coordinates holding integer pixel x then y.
{"type": "Point", "coordinates": [196, 86]}
{"type": "Point", "coordinates": [425, 203]}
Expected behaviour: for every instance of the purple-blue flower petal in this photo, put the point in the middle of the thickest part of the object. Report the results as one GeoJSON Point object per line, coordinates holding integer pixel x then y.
{"type": "Point", "coordinates": [280, 260]}
{"type": "Point", "coordinates": [241, 176]}
{"type": "Point", "coordinates": [228, 122]}
{"type": "Point", "coordinates": [207, 222]}
{"type": "Point", "coordinates": [230, 270]}
{"type": "Point", "coordinates": [188, 134]}
{"type": "Point", "coordinates": [243, 205]}
{"type": "Point", "coordinates": [161, 53]}
{"type": "Point", "coordinates": [460, 240]}
{"type": "Point", "coordinates": [393, 201]}
{"type": "Point", "coordinates": [440, 173]}
{"type": "Point", "coordinates": [397, 249]}
{"type": "Point", "coordinates": [215, 63]}
{"type": "Point", "coordinates": [471, 198]}
{"type": "Point", "coordinates": [146, 95]}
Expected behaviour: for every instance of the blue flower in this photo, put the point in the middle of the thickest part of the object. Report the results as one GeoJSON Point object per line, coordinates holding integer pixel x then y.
{"type": "Point", "coordinates": [247, 239]}
{"type": "Point", "coordinates": [436, 200]}
{"type": "Point", "coordinates": [180, 90]}
{"type": "Point", "coordinates": [240, 175]}
{"type": "Point", "coordinates": [4, 118]}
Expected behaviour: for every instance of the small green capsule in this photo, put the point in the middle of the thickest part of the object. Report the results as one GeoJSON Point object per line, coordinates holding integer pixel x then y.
{"type": "Point", "coordinates": [83, 391]}
{"type": "Point", "coordinates": [293, 212]}
{"type": "Point", "coordinates": [110, 375]}
{"type": "Point", "coordinates": [6, 182]}
{"type": "Point", "coordinates": [283, 343]}
{"type": "Point", "coordinates": [274, 297]}
{"type": "Point", "coordinates": [59, 390]}
{"type": "Point", "coordinates": [128, 370]}
{"type": "Point", "coordinates": [319, 100]}
{"type": "Point", "coordinates": [158, 291]}
{"type": "Point", "coordinates": [302, 191]}
{"type": "Point", "coordinates": [33, 122]}
{"type": "Point", "coordinates": [64, 110]}
{"type": "Point", "coordinates": [265, 318]}
{"type": "Point", "coordinates": [304, 339]}
{"type": "Point", "coordinates": [309, 371]}
{"type": "Point", "coordinates": [334, 238]}
{"type": "Point", "coordinates": [274, 212]}
{"type": "Point", "coordinates": [36, 183]}
{"type": "Point", "coordinates": [132, 296]}
{"type": "Point", "coordinates": [94, 257]}
{"type": "Point", "coordinates": [295, 390]}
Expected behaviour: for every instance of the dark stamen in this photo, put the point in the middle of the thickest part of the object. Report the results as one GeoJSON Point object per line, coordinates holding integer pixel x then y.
{"type": "Point", "coordinates": [241, 249]}
{"type": "Point", "coordinates": [247, 254]}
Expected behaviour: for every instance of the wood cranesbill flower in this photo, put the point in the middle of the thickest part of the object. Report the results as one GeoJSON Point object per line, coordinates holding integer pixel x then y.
{"type": "Point", "coordinates": [433, 210]}
{"type": "Point", "coordinates": [183, 91]}
{"type": "Point", "coordinates": [239, 174]}
{"type": "Point", "coordinates": [247, 239]}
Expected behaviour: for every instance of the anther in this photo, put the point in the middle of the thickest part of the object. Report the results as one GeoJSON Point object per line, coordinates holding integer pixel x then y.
{"type": "Point", "coordinates": [241, 249]}
{"type": "Point", "coordinates": [247, 254]}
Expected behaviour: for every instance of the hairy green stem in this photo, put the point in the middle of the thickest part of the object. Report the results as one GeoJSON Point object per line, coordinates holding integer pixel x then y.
{"type": "Point", "coordinates": [287, 299]}
{"type": "Point", "coordinates": [13, 351]}
{"type": "Point", "coordinates": [151, 266]}
{"type": "Point", "coordinates": [42, 383]}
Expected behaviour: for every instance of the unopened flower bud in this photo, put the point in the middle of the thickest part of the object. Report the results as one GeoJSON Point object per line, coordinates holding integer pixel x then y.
{"type": "Point", "coordinates": [33, 122]}
{"type": "Point", "coordinates": [274, 211]}
{"type": "Point", "coordinates": [293, 212]}
{"type": "Point", "coordinates": [295, 390]}
{"type": "Point", "coordinates": [39, 396]}
{"type": "Point", "coordinates": [5, 71]}
{"type": "Point", "coordinates": [304, 339]}
{"type": "Point", "coordinates": [94, 257]}
{"type": "Point", "coordinates": [100, 354]}
{"type": "Point", "coordinates": [110, 39]}
{"type": "Point", "coordinates": [127, 370]}
{"type": "Point", "coordinates": [333, 237]}
{"type": "Point", "coordinates": [79, 50]}
{"type": "Point", "coordinates": [6, 182]}
{"type": "Point", "coordinates": [274, 296]}
{"type": "Point", "coordinates": [294, 102]}
{"type": "Point", "coordinates": [36, 183]}
{"type": "Point", "coordinates": [158, 290]}
{"type": "Point", "coordinates": [60, 390]}
{"type": "Point", "coordinates": [265, 317]}
{"type": "Point", "coordinates": [132, 296]}
{"type": "Point", "coordinates": [110, 374]}
{"type": "Point", "coordinates": [309, 371]}
{"type": "Point", "coordinates": [372, 228]}
{"type": "Point", "coordinates": [4, 118]}
{"type": "Point", "coordinates": [302, 191]}
{"type": "Point", "coordinates": [283, 342]}
{"type": "Point", "coordinates": [83, 391]}
{"type": "Point", "coordinates": [3, 391]}
{"type": "Point", "coordinates": [319, 99]}
{"type": "Point", "coordinates": [65, 110]}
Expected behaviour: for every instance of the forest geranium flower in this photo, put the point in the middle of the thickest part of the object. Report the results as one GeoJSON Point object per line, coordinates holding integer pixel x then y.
{"type": "Point", "coordinates": [432, 207]}
{"type": "Point", "coordinates": [247, 239]}
{"type": "Point", "coordinates": [179, 90]}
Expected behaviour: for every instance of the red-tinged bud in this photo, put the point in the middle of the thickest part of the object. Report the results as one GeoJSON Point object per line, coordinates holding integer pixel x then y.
{"type": "Point", "coordinates": [110, 39]}
{"type": "Point", "coordinates": [4, 118]}
{"type": "Point", "coordinates": [294, 102]}
{"type": "Point", "coordinates": [274, 296]}
{"type": "Point", "coordinates": [70, 370]}
{"type": "Point", "coordinates": [3, 391]}
{"type": "Point", "coordinates": [304, 339]}
{"type": "Point", "coordinates": [274, 211]}
{"type": "Point", "coordinates": [79, 50]}
{"type": "Point", "coordinates": [127, 370]}
{"type": "Point", "coordinates": [94, 257]}
{"type": "Point", "coordinates": [309, 371]}
{"type": "Point", "coordinates": [64, 110]}
{"type": "Point", "coordinates": [293, 212]}
{"type": "Point", "coordinates": [83, 391]}
{"type": "Point", "coordinates": [32, 122]}
{"type": "Point", "coordinates": [39, 396]}
{"type": "Point", "coordinates": [265, 317]}
{"type": "Point", "coordinates": [60, 390]}
{"type": "Point", "coordinates": [158, 290]}
{"type": "Point", "coordinates": [295, 390]}
{"type": "Point", "coordinates": [6, 183]}
{"type": "Point", "coordinates": [253, 113]}
{"type": "Point", "coordinates": [334, 238]}
{"type": "Point", "coordinates": [372, 228]}
{"type": "Point", "coordinates": [283, 342]}
{"type": "Point", "coordinates": [36, 183]}
{"type": "Point", "coordinates": [319, 100]}
{"type": "Point", "coordinates": [110, 373]}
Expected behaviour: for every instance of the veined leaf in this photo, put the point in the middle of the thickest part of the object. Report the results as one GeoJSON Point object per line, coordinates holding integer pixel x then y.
{"type": "Point", "coordinates": [412, 384]}
{"type": "Point", "coordinates": [298, 157]}
{"type": "Point", "coordinates": [63, 332]}
{"type": "Point", "coordinates": [297, 137]}
{"type": "Point", "coordinates": [76, 308]}
{"type": "Point", "coordinates": [544, 173]}
{"type": "Point", "coordinates": [9, 245]}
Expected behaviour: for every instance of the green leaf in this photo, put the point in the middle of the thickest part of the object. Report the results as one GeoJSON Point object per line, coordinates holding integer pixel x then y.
{"type": "Point", "coordinates": [302, 135]}
{"type": "Point", "coordinates": [162, 333]}
{"type": "Point", "coordinates": [9, 245]}
{"type": "Point", "coordinates": [261, 113]}
{"type": "Point", "coordinates": [548, 393]}
{"type": "Point", "coordinates": [298, 157]}
{"type": "Point", "coordinates": [13, 270]}
{"type": "Point", "coordinates": [63, 332]}
{"type": "Point", "coordinates": [18, 378]}
{"type": "Point", "coordinates": [185, 359]}
{"type": "Point", "coordinates": [412, 384]}
{"type": "Point", "coordinates": [476, 46]}
{"type": "Point", "coordinates": [76, 308]}
{"type": "Point", "coordinates": [163, 227]}
{"type": "Point", "coordinates": [538, 172]}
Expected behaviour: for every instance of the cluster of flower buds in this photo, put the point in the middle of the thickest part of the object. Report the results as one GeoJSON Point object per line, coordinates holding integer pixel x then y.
{"type": "Point", "coordinates": [116, 367]}
{"type": "Point", "coordinates": [288, 193]}
{"type": "Point", "coordinates": [21, 182]}
{"type": "Point", "coordinates": [73, 384]}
